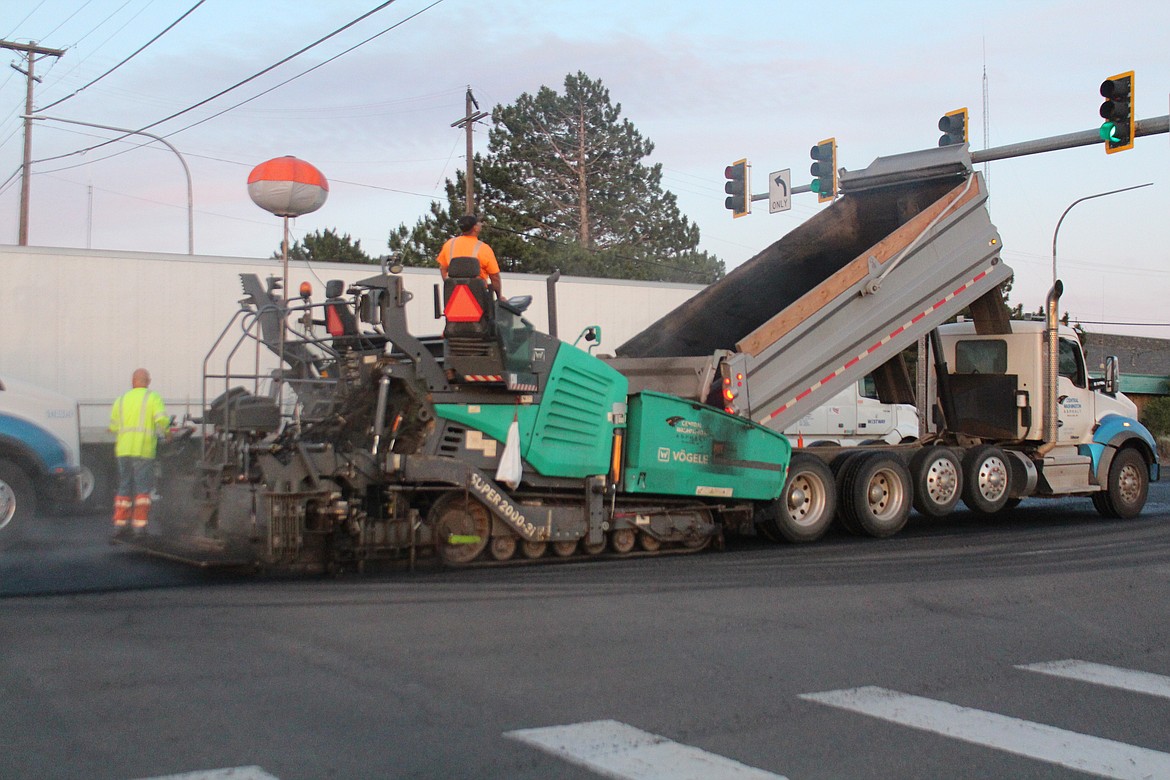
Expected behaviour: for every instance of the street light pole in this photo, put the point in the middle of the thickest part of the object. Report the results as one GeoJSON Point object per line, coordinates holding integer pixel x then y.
{"type": "Point", "coordinates": [1056, 232]}
{"type": "Point", "coordinates": [186, 170]}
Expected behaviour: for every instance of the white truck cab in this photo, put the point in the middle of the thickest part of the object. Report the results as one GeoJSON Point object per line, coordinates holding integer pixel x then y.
{"type": "Point", "coordinates": [991, 360]}
{"type": "Point", "coordinates": [855, 416]}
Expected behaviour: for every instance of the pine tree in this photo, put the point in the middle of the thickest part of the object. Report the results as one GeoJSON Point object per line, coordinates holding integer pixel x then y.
{"type": "Point", "coordinates": [563, 186]}
{"type": "Point", "coordinates": [327, 247]}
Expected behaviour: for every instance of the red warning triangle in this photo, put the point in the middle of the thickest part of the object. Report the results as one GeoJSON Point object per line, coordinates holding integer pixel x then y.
{"type": "Point", "coordinates": [462, 306]}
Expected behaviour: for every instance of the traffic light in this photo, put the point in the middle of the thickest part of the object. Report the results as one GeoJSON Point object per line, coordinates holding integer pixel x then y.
{"type": "Point", "coordinates": [739, 196]}
{"type": "Point", "coordinates": [1117, 111]}
{"type": "Point", "coordinates": [953, 125]}
{"type": "Point", "coordinates": [824, 168]}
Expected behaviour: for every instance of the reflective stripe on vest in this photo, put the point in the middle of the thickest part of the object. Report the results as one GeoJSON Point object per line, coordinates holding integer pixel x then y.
{"type": "Point", "coordinates": [141, 427]}
{"type": "Point", "coordinates": [451, 249]}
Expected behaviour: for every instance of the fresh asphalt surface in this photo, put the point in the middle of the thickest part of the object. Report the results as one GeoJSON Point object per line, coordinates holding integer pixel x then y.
{"type": "Point", "coordinates": [117, 665]}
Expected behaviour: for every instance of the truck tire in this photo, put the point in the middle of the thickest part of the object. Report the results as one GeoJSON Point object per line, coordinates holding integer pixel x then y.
{"type": "Point", "coordinates": [18, 499]}
{"type": "Point", "coordinates": [842, 467]}
{"type": "Point", "coordinates": [1102, 505]}
{"type": "Point", "coordinates": [1129, 484]}
{"type": "Point", "coordinates": [877, 494]}
{"type": "Point", "coordinates": [938, 481]}
{"type": "Point", "coordinates": [100, 460]}
{"type": "Point", "coordinates": [986, 479]}
{"type": "Point", "coordinates": [805, 509]}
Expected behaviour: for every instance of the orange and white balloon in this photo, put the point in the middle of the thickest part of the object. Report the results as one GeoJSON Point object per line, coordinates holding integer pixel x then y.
{"type": "Point", "coordinates": [287, 187]}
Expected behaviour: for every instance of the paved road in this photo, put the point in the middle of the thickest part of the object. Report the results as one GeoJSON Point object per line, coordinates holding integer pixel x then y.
{"type": "Point", "coordinates": [1035, 647]}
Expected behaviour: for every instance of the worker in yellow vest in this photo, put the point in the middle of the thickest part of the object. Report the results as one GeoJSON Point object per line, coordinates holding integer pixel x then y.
{"type": "Point", "coordinates": [137, 418]}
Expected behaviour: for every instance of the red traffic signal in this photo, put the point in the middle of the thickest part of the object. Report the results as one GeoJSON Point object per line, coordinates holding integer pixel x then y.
{"type": "Point", "coordinates": [739, 199]}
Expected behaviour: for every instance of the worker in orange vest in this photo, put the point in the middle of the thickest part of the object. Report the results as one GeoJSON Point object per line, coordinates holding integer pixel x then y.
{"type": "Point", "coordinates": [137, 418]}
{"type": "Point", "coordinates": [469, 244]}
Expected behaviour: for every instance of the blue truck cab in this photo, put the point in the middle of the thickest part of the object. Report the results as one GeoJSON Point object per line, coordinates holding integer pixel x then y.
{"type": "Point", "coordinates": [40, 449]}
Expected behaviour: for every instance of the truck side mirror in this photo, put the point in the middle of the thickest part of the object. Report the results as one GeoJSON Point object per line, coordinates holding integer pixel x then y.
{"type": "Point", "coordinates": [1112, 378]}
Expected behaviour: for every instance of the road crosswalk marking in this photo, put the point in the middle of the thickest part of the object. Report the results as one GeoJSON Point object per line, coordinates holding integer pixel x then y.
{"type": "Point", "coordinates": [621, 751]}
{"type": "Point", "coordinates": [1110, 676]}
{"type": "Point", "coordinates": [1082, 752]}
{"type": "Point", "coordinates": [231, 773]}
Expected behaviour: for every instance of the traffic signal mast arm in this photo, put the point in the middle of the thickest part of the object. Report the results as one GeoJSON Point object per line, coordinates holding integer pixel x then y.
{"type": "Point", "coordinates": [1152, 126]}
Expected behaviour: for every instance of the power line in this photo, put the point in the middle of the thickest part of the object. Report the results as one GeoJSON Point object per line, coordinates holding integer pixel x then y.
{"type": "Point", "coordinates": [109, 16]}
{"type": "Point", "coordinates": [237, 85]}
{"type": "Point", "coordinates": [65, 21]}
{"type": "Point", "coordinates": [1132, 324]}
{"type": "Point", "coordinates": [82, 60]}
{"type": "Point", "coordinates": [123, 62]}
{"type": "Point", "coordinates": [26, 18]}
{"type": "Point", "coordinates": [310, 70]}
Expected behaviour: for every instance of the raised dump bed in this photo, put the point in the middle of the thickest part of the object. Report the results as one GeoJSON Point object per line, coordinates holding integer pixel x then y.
{"type": "Point", "coordinates": [909, 245]}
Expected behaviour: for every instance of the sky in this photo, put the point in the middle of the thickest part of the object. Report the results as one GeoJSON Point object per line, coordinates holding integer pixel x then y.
{"type": "Point", "coordinates": [707, 83]}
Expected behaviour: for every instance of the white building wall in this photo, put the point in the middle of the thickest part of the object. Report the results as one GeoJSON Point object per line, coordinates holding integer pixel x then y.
{"type": "Point", "coordinates": [79, 321]}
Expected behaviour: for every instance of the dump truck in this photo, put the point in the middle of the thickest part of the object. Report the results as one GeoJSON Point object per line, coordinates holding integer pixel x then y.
{"type": "Point", "coordinates": [1010, 410]}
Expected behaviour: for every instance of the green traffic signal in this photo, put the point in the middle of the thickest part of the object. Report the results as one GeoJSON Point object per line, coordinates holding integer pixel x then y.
{"type": "Point", "coordinates": [1118, 129]}
{"type": "Point", "coordinates": [1109, 133]}
{"type": "Point", "coordinates": [824, 168]}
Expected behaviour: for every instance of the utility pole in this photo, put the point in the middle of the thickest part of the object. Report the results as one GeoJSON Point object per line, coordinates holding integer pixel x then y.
{"type": "Point", "coordinates": [468, 120]}
{"type": "Point", "coordinates": [31, 53]}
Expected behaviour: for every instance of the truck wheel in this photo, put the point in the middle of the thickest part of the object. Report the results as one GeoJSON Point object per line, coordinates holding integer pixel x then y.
{"type": "Point", "coordinates": [805, 510]}
{"type": "Point", "coordinates": [18, 500]}
{"type": "Point", "coordinates": [103, 466]}
{"type": "Point", "coordinates": [938, 481]}
{"type": "Point", "coordinates": [842, 467]}
{"type": "Point", "coordinates": [1102, 505]}
{"type": "Point", "coordinates": [1129, 484]}
{"type": "Point", "coordinates": [986, 479]}
{"type": "Point", "coordinates": [877, 494]}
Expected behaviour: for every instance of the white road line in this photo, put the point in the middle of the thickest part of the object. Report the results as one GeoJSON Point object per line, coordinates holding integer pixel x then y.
{"type": "Point", "coordinates": [1100, 674]}
{"type": "Point", "coordinates": [232, 773]}
{"type": "Point", "coordinates": [616, 750]}
{"type": "Point", "coordinates": [1085, 753]}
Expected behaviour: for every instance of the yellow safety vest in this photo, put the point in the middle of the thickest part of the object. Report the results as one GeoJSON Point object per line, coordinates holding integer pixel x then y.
{"type": "Point", "coordinates": [138, 418]}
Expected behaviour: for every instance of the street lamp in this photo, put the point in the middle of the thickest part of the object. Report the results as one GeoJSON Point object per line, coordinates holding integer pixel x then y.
{"type": "Point", "coordinates": [186, 170]}
{"type": "Point", "coordinates": [1056, 232]}
{"type": "Point", "coordinates": [1051, 336]}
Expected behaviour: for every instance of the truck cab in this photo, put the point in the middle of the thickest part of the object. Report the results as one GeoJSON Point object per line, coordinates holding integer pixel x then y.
{"type": "Point", "coordinates": [39, 451]}
{"type": "Point", "coordinates": [856, 416]}
{"type": "Point", "coordinates": [999, 378]}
